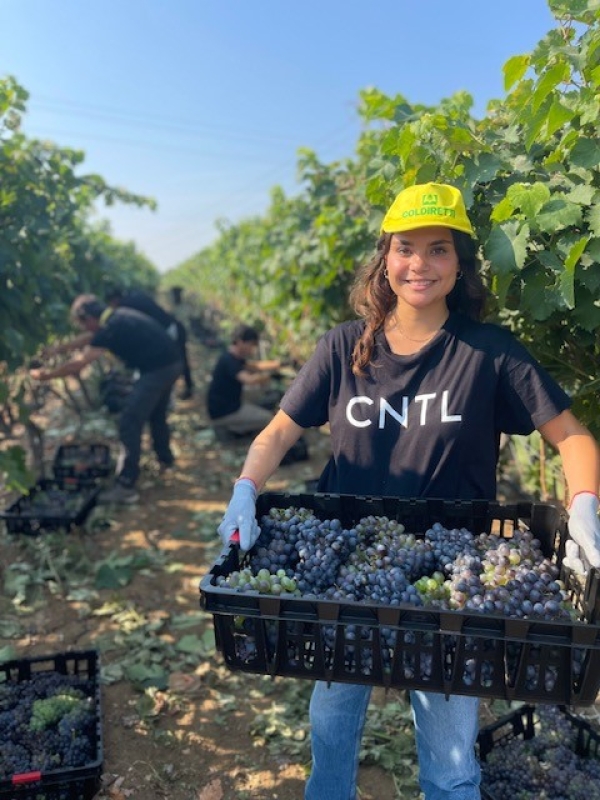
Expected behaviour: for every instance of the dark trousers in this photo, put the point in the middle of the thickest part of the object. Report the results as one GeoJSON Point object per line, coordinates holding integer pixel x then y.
{"type": "Point", "coordinates": [182, 342]}
{"type": "Point", "coordinates": [147, 403]}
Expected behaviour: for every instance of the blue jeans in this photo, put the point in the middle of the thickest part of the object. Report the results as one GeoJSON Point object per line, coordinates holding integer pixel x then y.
{"type": "Point", "coordinates": [446, 732]}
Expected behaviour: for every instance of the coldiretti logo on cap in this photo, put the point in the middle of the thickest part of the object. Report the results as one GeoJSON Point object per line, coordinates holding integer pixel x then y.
{"type": "Point", "coordinates": [429, 208]}
{"type": "Point", "coordinates": [425, 205]}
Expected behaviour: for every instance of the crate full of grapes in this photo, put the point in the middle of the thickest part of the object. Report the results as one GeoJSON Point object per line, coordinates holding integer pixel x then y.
{"type": "Point", "coordinates": [50, 505]}
{"type": "Point", "coordinates": [540, 751]}
{"type": "Point", "coordinates": [82, 461]}
{"type": "Point", "coordinates": [458, 597]}
{"type": "Point", "coordinates": [51, 727]}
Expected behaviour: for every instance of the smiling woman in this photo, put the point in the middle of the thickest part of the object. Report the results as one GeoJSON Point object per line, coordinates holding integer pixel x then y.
{"type": "Point", "coordinates": [422, 268]}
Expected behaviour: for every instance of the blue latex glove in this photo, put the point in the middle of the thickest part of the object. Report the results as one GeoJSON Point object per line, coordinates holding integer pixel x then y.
{"type": "Point", "coordinates": [584, 529]}
{"type": "Point", "coordinates": [241, 515]}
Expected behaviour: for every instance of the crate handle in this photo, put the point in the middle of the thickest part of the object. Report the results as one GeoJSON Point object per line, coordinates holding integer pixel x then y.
{"type": "Point", "coordinates": [26, 777]}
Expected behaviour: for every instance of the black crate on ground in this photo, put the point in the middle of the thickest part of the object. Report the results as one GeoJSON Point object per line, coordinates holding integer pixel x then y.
{"type": "Point", "coordinates": [523, 723]}
{"type": "Point", "coordinates": [69, 783]}
{"type": "Point", "coordinates": [82, 461]}
{"type": "Point", "coordinates": [408, 647]}
{"type": "Point", "coordinates": [50, 505]}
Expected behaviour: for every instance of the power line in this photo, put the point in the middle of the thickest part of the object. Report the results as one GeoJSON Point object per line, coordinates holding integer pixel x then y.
{"type": "Point", "coordinates": [186, 127]}
{"type": "Point", "coordinates": [148, 145]}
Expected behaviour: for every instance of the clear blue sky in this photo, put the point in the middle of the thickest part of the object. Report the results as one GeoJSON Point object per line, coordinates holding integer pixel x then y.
{"type": "Point", "coordinates": [202, 104]}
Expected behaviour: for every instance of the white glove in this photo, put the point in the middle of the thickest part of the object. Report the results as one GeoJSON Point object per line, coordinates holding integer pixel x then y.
{"type": "Point", "coordinates": [572, 557]}
{"type": "Point", "coordinates": [241, 515]}
{"type": "Point", "coordinates": [584, 529]}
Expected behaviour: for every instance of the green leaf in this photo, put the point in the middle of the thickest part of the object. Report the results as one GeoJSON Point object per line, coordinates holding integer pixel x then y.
{"type": "Point", "coordinates": [503, 210]}
{"type": "Point", "coordinates": [557, 214]}
{"type": "Point", "coordinates": [567, 287]}
{"type": "Point", "coordinates": [581, 194]}
{"type": "Point", "coordinates": [528, 198]}
{"type": "Point", "coordinates": [488, 166]}
{"type": "Point", "coordinates": [108, 577]}
{"type": "Point", "coordinates": [558, 116]}
{"type": "Point", "coordinates": [144, 676]}
{"type": "Point", "coordinates": [514, 69]}
{"type": "Point", "coordinates": [567, 277]}
{"type": "Point", "coordinates": [585, 153]}
{"type": "Point", "coordinates": [506, 247]}
{"type": "Point", "coordinates": [592, 217]}
{"type": "Point", "coordinates": [501, 285]}
{"type": "Point", "coordinates": [573, 9]}
{"type": "Point", "coordinates": [575, 254]}
{"type": "Point", "coordinates": [550, 78]}
{"type": "Point", "coordinates": [535, 123]}
{"type": "Point", "coordinates": [195, 645]}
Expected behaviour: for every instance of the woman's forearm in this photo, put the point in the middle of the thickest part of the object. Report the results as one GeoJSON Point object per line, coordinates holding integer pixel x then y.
{"type": "Point", "coordinates": [269, 447]}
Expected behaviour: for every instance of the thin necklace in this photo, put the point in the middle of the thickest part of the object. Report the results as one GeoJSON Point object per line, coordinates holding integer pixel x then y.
{"type": "Point", "coordinates": [410, 338]}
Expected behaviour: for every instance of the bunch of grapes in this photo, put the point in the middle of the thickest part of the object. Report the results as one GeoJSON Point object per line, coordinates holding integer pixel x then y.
{"type": "Point", "coordinates": [263, 581]}
{"type": "Point", "coordinates": [545, 766]}
{"type": "Point", "coordinates": [450, 543]}
{"type": "Point", "coordinates": [46, 723]}
{"type": "Point", "coordinates": [308, 549]}
{"type": "Point", "coordinates": [384, 564]}
{"type": "Point", "coordinates": [519, 581]}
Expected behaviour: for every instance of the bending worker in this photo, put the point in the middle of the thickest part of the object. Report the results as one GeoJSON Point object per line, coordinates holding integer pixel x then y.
{"type": "Point", "coordinates": [145, 347]}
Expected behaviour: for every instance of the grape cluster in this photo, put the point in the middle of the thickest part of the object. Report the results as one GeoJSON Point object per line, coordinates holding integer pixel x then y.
{"type": "Point", "coordinates": [263, 581]}
{"type": "Point", "coordinates": [46, 723]}
{"type": "Point", "coordinates": [379, 562]}
{"type": "Point", "coordinates": [545, 766]}
{"type": "Point", "coordinates": [383, 565]}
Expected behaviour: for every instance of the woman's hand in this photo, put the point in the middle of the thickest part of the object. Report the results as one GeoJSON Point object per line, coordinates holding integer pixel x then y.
{"type": "Point", "coordinates": [584, 525]}
{"type": "Point", "coordinates": [241, 515]}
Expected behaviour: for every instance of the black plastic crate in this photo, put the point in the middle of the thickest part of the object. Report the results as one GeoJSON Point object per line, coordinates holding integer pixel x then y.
{"type": "Point", "coordinates": [50, 505]}
{"type": "Point", "coordinates": [82, 461]}
{"type": "Point", "coordinates": [408, 647]}
{"type": "Point", "coordinates": [74, 783]}
{"type": "Point", "coordinates": [524, 723]}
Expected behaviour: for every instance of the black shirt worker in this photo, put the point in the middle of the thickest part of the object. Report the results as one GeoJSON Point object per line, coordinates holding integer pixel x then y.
{"type": "Point", "coordinates": [141, 301]}
{"type": "Point", "coordinates": [144, 346]}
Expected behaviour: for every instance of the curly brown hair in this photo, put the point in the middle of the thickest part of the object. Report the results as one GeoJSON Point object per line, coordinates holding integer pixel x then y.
{"type": "Point", "coordinates": [372, 297]}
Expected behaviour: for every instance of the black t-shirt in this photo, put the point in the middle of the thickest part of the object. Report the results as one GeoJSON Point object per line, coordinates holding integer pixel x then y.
{"type": "Point", "coordinates": [136, 339]}
{"type": "Point", "coordinates": [423, 425]}
{"type": "Point", "coordinates": [225, 390]}
{"type": "Point", "coordinates": [140, 301]}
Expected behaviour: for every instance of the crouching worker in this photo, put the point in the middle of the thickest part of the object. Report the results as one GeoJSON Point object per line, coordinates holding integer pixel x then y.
{"type": "Point", "coordinates": [230, 415]}
{"type": "Point", "coordinates": [144, 346]}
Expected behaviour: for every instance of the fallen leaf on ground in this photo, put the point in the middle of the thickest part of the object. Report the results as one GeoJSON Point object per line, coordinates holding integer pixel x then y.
{"type": "Point", "coordinates": [182, 682]}
{"type": "Point", "coordinates": [212, 791]}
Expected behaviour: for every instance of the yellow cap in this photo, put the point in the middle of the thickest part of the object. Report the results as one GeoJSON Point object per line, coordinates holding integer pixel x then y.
{"type": "Point", "coordinates": [426, 205]}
